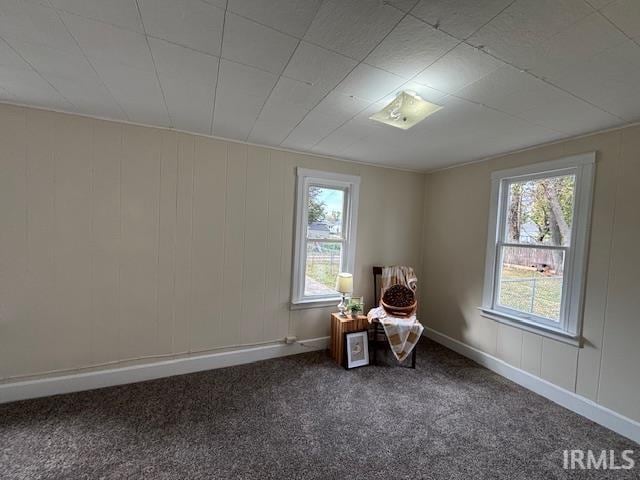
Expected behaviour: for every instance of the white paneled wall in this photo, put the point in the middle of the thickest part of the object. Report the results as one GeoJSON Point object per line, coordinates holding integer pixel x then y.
{"type": "Point", "coordinates": [607, 368]}
{"type": "Point", "coordinates": [121, 242]}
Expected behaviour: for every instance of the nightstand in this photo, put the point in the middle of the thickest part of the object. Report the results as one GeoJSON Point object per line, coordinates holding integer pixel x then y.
{"type": "Point", "coordinates": [340, 326]}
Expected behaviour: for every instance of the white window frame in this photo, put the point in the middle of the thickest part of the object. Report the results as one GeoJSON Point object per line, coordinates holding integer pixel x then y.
{"type": "Point", "coordinates": [569, 328]}
{"type": "Point", "coordinates": [351, 185]}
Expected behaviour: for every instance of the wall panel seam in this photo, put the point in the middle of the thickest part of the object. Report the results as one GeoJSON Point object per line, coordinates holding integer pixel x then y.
{"type": "Point", "coordinates": [175, 249]}
{"type": "Point", "coordinates": [244, 243]}
{"type": "Point", "coordinates": [191, 238]}
{"type": "Point", "coordinates": [159, 155]}
{"type": "Point", "coordinates": [221, 315]}
{"type": "Point", "coordinates": [119, 250]}
{"type": "Point", "coordinates": [618, 169]}
{"type": "Point", "coordinates": [93, 247]}
{"type": "Point", "coordinates": [266, 247]}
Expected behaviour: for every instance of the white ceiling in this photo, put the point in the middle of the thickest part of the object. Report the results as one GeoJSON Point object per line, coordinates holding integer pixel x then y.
{"type": "Point", "coordinates": [306, 74]}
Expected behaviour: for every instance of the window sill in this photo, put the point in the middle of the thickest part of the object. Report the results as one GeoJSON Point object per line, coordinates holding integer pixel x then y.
{"type": "Point", "coordinates": [319, 303]}
{"type": "Point", "coordinates": [543, 330]}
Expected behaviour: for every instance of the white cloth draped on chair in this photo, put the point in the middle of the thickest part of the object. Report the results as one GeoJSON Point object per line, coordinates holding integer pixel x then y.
{"type": "Point", "coordinates": [403, 333]}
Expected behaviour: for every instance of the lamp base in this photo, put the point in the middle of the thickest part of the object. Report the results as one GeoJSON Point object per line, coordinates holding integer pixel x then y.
{"type": "Point", "coordinates": [342, 306]}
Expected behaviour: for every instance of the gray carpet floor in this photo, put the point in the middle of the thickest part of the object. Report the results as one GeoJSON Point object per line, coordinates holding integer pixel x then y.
{"type": "Point", "coordinates": [303, 417]}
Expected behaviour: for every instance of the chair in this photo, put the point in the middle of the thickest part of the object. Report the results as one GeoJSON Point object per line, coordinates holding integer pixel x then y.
{"type": "Point", "coordinates": [376, 327]}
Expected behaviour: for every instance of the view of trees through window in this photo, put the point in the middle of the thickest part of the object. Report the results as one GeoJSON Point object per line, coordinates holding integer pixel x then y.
{"type": "Point", "coordinates": [539, 216]}
{"type": "Point", "coordinates": [324, 236]}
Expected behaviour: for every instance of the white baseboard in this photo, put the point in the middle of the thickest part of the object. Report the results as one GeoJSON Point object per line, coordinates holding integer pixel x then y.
{"type": "Point", "coordinates": [21, 390]}
{"type": "Point", "coordinates": [583, 406]}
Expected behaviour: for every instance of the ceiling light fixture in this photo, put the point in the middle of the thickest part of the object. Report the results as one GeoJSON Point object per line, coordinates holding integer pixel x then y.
{"type": "Point", "coordinates": [405, 111]}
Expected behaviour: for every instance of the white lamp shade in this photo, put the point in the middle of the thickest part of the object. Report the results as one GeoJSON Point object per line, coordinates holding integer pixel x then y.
{"type": "Point", "coordinates": [344, 283]}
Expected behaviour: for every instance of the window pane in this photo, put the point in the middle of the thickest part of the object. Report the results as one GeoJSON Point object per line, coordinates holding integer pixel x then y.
{"type": "Point", "coordinates": [325, 207]}
{"type": "Point", "coordinates": [531, 281]}
{"type": "Point", "coordinates": [540, 211]}
{"type": "Point", "coordinates": [323, 264]}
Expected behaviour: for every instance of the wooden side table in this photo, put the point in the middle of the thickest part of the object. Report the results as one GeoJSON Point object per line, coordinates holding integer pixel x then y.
{"type": "Point", "coordinates": [340, 326]}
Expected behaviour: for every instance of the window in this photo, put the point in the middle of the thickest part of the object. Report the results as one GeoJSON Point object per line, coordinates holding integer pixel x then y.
{"type": "Point", "coordinates": [326, 208]}
{"type": "Point", "coordinates": [537, 245]}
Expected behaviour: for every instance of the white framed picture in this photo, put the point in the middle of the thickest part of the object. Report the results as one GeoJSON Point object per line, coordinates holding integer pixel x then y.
{"type": "Point", "coordinates": [356, 345]}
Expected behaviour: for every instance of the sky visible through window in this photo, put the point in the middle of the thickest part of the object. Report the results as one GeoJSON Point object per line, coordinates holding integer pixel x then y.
{"type": "Point", "coordinates": [333, 199]}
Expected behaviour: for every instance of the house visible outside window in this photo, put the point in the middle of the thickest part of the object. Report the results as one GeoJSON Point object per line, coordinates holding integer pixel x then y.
{"type": "Point", "coordinates": [326, 211]}
{"type": "Point", "coordinates": [537, 246]}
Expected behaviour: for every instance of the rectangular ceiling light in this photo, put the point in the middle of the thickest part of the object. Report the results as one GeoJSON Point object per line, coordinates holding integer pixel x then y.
{"type": "Point", "coordinates": [405, 111]}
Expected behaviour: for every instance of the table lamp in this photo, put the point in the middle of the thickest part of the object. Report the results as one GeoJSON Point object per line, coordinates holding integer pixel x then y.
{"type": "Point", "coordinates": [344, 285]}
